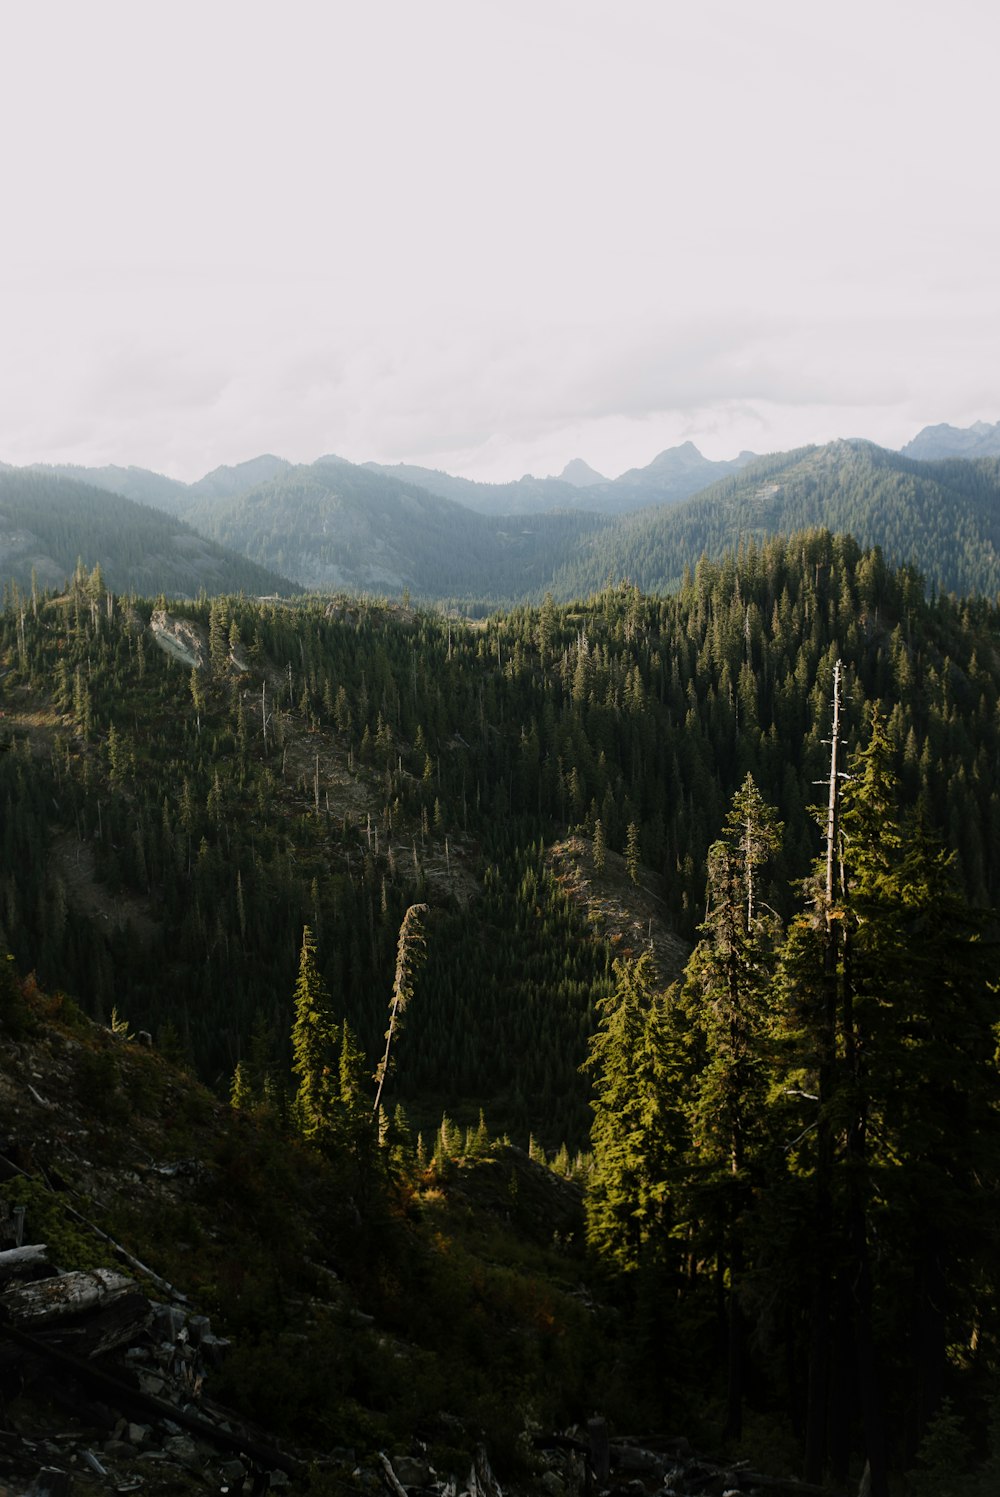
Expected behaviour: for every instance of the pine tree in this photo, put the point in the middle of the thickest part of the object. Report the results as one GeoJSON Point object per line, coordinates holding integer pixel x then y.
{"type": "Point", "coordinates": [728, 999]}
{"type": "Point", "coordinates": [636, 1134]}
{"type": "Point", "coordinates": [599, 848]}
{"type": "Point", "coordinates": [241, 1097]}
{"type": "Point", "coordinates": [315, 1045]}
{"type": "Point", "coordinates": [887, 989]}
{"type": "Point", "coordinates": [919, 1072]}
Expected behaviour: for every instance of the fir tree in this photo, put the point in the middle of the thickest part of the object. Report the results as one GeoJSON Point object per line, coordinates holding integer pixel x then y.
{"type": "Point", "coordinates": [315, 1046]}
{"type": "Point", "coordinates": [599, 848]}
{"type": "Point", "coordinates": [895, 1045]}
{"type": "Point", "coordinates": [637, 1132]}
{"type": "Point", "coordinates": [241, 1097]}
{"type": "Point", "coordinates": [728, 1001]}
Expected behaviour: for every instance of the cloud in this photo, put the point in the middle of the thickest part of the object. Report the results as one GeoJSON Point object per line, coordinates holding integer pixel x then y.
{"type": "Point", "coordinates": [485, 231]}
{"type": "Point", "coordinates": [198, 381]}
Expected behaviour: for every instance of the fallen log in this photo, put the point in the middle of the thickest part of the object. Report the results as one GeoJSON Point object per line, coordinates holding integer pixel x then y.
{"type": "Point", "coordinates": [63, 1295]}
{"type": "Point", "coordinates": [390, 1478]}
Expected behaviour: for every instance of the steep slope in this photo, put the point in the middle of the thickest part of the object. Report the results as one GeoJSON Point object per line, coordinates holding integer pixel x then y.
{"type": "Point", "coordinates": [336, 762]}
{"type": "Point", "coordinates": [943, 517]}
{"type": "Point", "coordinates": [49, 523]}
{"type": "Point", "coordinates": [351, 1304]}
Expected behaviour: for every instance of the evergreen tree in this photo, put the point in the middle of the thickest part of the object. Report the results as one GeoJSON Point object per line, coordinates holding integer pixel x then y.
{"type": "Point", "coordinates": [315, 1045]}
{"type": "Point", "coordinates": [888, 992]}
{"type": "Point", "coordinates": [599, 848]}
{"type": "Point", "coordinates": [637, 1132]}
{"type": "Point", "coordinates": [241, 1097]}
{"type": "Point", "coordinates": [727, 999]}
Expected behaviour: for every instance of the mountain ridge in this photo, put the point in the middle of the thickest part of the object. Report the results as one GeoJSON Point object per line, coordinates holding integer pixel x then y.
{"type": "Point", "coordinates": [981, 439]}
{"type": "Point", "coordinates": [940, 440]}
{"type": "Point", "coordinates": [333, 524]}
{"type": "Point", "coordinates": [50, 523]}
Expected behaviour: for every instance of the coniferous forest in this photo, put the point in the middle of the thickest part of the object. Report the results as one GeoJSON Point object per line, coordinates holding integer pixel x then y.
{"type": "Point", "coordinates": [693, 896]}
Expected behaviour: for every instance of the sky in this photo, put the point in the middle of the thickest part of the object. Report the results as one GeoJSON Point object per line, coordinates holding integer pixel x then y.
{"type": "Point", "coordinates": [492, 237]}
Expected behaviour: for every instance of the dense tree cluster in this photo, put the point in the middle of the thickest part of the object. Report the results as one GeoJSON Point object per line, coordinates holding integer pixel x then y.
{"type": "Point", "coordinates": [212, 806]}
{"type": "Point", "coordinates": [942, 517]}
{"type": "Point", "coordinates": [804, 1137]}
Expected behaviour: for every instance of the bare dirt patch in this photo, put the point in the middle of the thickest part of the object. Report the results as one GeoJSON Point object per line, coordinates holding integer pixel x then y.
{"type": "Point", "coordinates": [629, 916]}
{"type": "Point", "coordinates": [32, 724]}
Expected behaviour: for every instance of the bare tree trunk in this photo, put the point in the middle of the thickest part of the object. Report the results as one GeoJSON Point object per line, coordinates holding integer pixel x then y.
{"type": "Point", "coordinates": [64, 1294]}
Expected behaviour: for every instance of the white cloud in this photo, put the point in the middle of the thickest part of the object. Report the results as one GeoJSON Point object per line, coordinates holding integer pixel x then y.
{"type": "Point", "coordinates": [492, 234]}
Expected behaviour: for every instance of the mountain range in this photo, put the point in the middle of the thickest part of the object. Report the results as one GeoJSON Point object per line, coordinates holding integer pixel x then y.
{"type": "Point", "coordinates": [671, 476]}
{"type": "Point", "coordinates": [337, 525]}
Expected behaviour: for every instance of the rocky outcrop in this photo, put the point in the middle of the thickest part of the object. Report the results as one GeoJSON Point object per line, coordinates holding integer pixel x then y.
{"type": "Point", "coordinates": [181, 639]}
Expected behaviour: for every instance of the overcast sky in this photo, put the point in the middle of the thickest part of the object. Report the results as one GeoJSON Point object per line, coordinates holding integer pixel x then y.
{"type": "Point", "coordinates": [490, 237]}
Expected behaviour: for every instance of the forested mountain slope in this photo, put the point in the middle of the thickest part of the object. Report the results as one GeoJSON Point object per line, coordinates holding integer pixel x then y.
{"type": "Point", "coordinates": [414, 756]}
{"type": "Point", "coordinates": [48, 524]}
{"type": "Point", "coordinates": [336, 525]}
{"type": "Point", "coordinates": [942, 517]}
{"type": "Point", "coordinates": [795, 1150]}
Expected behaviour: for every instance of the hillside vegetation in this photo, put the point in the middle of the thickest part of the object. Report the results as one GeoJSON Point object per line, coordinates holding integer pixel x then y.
{"type": "Point", "coordinates": [568, 857]}
{"type": "Point", "coordinates": [409, 756]}
{"type": "Point", "coordinates": [337, 526]}
{"type": "Point", "coordinates": [49, 523]}
{"type": "Point", "coordinates": [225, 845]}
{"type": "Point", "coordinates": [367, 1302]}
{"type": "Point", "coordinates": [941, 517]}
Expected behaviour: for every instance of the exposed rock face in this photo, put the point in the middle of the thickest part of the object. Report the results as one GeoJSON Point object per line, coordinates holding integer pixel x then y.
{"type": "Point", "coordinates": [181, 639]}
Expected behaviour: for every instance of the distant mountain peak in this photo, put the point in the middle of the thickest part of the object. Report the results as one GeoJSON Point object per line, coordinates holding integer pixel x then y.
{"type": "Point", "coordinates": [981, 439]}
{"type": "Point", "coordinates": [231, 481]}
{"type": "Point", "coordinates": [581, 474]}
{"type": "Point", "coordinates": [675, 459]}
